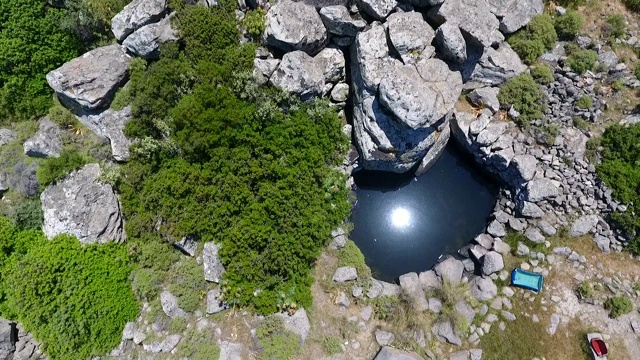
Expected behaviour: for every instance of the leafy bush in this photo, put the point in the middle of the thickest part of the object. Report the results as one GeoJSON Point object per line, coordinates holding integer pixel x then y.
{"type": "Point", "coordinates": [332, 345]}
{"type": "Point", "coordinates": [615, 25]}
{"type": "Point", "coordinates": [31, 44]}
{"type": "Point", "coordinates": [582, 60]}
{"type": "Point", "coordinates": [27, 214]}
{"type": "Point", "coordinates": [529, 43]}
{"type": "Point", "coordinates": [53, 169]}
{"type": "Point", "coordinates": [618, 306]}
{"type": "Point", "coordinates": [275, 341]}
{"type": "Point", "coordinates": [568, 25]}
{"type": "Point", "coordinates": [617, 85]}
{"type": "Point", "coordinates": [351, 255]}
{"type": "Point", "coordinates": [74, 298]}
{"type": "Point", "coordinates": [632, 4]}
{"type": "Point", "coordinates": [187, 284]}
{"type": "Point", "coordinates": [90, 20]}
{"type": "Point", "coordinates": [254, 22]}
{"type": "Point", "coordinates": [585, 290]}
{"type": "Point", "coordinates": [542, 74]}
{"type": "Point", "coordinates": [584, 102]}
{"type": "Point", "coordinates": [525, 95]}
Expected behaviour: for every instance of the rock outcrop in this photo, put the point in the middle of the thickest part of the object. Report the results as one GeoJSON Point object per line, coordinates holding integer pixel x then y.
{"type": "Point", "coordinates": [295, 26]}
{"type": "Point", "coordinates": [82, 206]}
{"type": "Point", "coordinates": [90, 81]}
{"type": "Point", "coordinates": [145, 42]}
{"type": "Point", "coordinates": [7, 136]}
{"type": "Point", "coordinates": [213, 267]}
{"type": "Point", "coordinates": [474, 18]}
{"type": "Point", "coordinates": [338, 21]}
{"type": "Point", "coordinates": [490, 67]}
{"type": "Point", "coordinates": [46, 142]}
{"type": "Point", "coordinates": [298, 73]}
{"type": "Point", "coordinates": [410, 36]}
{"type": "Point", "coordinates": [135, 15]}
{"type": "Point", "coordinates": [388, 353]}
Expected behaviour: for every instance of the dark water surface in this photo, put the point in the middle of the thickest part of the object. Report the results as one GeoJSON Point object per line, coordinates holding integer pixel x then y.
{"type": "Point", "coordinates": [403, 225]}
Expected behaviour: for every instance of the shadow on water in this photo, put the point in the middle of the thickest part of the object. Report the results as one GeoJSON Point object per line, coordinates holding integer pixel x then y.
{"type": "Point", "coordinates": [403, 224]}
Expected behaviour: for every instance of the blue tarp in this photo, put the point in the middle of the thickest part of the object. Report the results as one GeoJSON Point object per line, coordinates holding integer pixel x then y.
{"type": "Point", "coordinates": [527, 280]}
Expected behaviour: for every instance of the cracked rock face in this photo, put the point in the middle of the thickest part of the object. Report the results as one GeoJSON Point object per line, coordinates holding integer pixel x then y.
{"type": "Point", "coordinates": [295, 26]}
{"type": "Point", "coordinates": [135, 15]}
{"type": "Point", "coordinates": [474, 18]}
{"type": "Point", "coordinates": [145, 42]}
{"type": "Point", "coordinates": [90, 81]}
{"type": "Point", "coordinates": [81, 206]}
{"type": "Point", "coordinates": [110, 124]}
{"type": "Point", "coordinates": [47, 142]}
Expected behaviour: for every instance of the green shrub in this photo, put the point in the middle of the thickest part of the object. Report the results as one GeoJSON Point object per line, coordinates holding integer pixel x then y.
{"type": "Point", "coordinates": [572, 3]}
{"type": "Point", "coordinates": [632, 4]}
{"type": "Point", "coordinates": [615, 25]}
{"type": "Point", "coordinates": [568, 25]}
{"type": "Point", "coordinates": [617, 85]}
{"type": "Point", "coordinates": [332, 345]}
{"type": "Point", "coordinates": [146, 283]}
{"type": "Point", "coordinates": [580, 123]}
{"type": "Point", "coordinates": [27, 214]}
{"type": "Point", "coordinates": [187, 283]}
{"type": "Point", "coordinates": [618, 306]}
{"type": "Point", "coordinates": [584, 102]}
{"type": "Point", "coordinates": [62, 116]}
{"type": "Point", "coordinates": [542, 74]}
{"type": "Point", "coordinates": [275, 341]}
{"type": "Point", "coordinates": [582, 60]}
{"type": "Point", "coordinates": [525, 95]}
{"type": "Point", "coordinates": [532, 41]}
{"type": "Point", "coordinates": [585, 290]}
{"type": "Point", "coordinates": [53, 169]}
{"type": "Point", "coordinates": [254, 22]}
{"type": "Point", "coordinates": [551, 132]}
{"type": "Point", "coordinates": [178, 325]}
{"type": "Point", "coordinates": [74, 298]}
{"type": "Point", "coordinates": [351, 255]}
{"type": "Point", "coordinates": [198, 345]}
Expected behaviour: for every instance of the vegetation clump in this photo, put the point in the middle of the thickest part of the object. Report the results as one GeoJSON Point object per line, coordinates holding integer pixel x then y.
{"type": "Point", "coordinates": [568, 25]}
{"type": "Point", "coordinates": [632, 4]}
{"type": "Point", "coordinates": [618, 306]}
{"type": "Point", "coordinates": [542, 74]}
{"type": "Point", "coordinates": [275, 341]}
{"type": "Point", "coordinates": [584, 102]}
{"type": "Point", "coordinates": [54, 169]}
{"type": "Point", "coordinates": [585, 290]}
{"type": "Point", "coordinates": [525, 95]}
{"type": "Point", "coordinates": [532, 41]}
{"type": "Point", "coordinates": [582, 60]}
{"type": "Point", "coordinates": [615, 25]}
{"type": "Point", "coordinates": [351, 255]}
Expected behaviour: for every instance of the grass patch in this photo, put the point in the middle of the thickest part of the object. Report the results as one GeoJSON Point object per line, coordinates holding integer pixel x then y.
{"type": "Point", "coordinates": [584, 102]}
{"type": "Point", "coordinates": [351, 255]}
{"type": "Point", "coordinates": [198, 345]}
{"type": "Point", "coordinates": [275, 341]}
{"type": "Point", "coordinates": [513, 238]}
{"type": "Point", "coordinates": [402, 319]}
{"type": "Point", "coordinates": [332, 345]}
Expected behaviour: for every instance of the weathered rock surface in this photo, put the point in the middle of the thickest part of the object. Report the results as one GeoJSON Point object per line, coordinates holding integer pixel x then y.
{"type": "Point", "coordinates": [492, 263]}
{"type": "Point", "coordinates": [345, 273]}
{"type": "Point", "coordinates": [338, 21]}
{"type": "Point", "coordinates": [214, 304]}
{"type": "Point", "coordinates": [451, 42]}
{"type": "Point", "coordinates": [517, 13]}
{"type": "Point", "coordinates": [377, 9]}
{"type": "Point", "coordinates": [583, 225]}
{"type": "Point", "coordinates": [169, 303]}
{"type": "Point", "coordinates": [7, 136]}
{"type": "Point", "coordinates": [298, 323]}
{"type": "Point", "coordinates": [110, 124]}
{"type": "Point", "coordinates": [231, 351]}
{"type": "Point", "coordinates": [486, 97]}
{"type": "Point", "coordinates": [135, 15]}
{"type": "Point", "coordinates": [263, 69]}
{"type": "Point", "coordinates": [451, 269]}
{"type": "Point", "coordinates": [388, 353]}
{"type": "Point", "coordinates": [411, 286]}
{"type": "Point", "coordinates": [409, 34]}
{"type": "Point", "coordinates": [444, 332]}
{"type": "Point", "coordinates": [213, 267]}
{"type": "Point", "coordinates": [7, 339]}
{"type": "Point", "coordinates": [483, 288]}
{"type": "Point", "coordinates": [491, 67]}
{"type": "Point", "coordinates": [81, 206]}
{"type": "Point", "coordinates": [298, 73]}
{"type": "Point", "coordinates": [17, 344]}
{"type": "Point", "coordinates": [145, 42]}
{"type": "Point", "coordinates": [473, 17]}
{"type": "Point", "coordinates": [332, 63]}
{"type": "Point", "coordinates": [295, 26]}
{"type": "Point", "coordinates": [540, 189]}
{"type": "Point", "coordinates": [46, 142]}
{"type": "Point", "coordinates": [90, 81]}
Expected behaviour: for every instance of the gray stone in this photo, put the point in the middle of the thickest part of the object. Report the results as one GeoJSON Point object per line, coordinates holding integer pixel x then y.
{"type": "Point", "coordinates": [524, 167]}
{"type": "Point", "coordinates": [465, 310]}
{"type": "Point", "coordinates": [345, 273]}
{"type": "Point", "coordinates": [7, 136]}
{"type": "Point", "coordinates": [377, 9]}
{"type": "Point", "coordinates": [340, 92]}
{"type": "Point", "coordinates": [170, 342]}
{"type": "Point", "coordinates": [295, 26]}
{"type": "Point", "coordinates": [508, 316]}
{"type": "Point", "coordinates": [331, 61]}
{"type": "Point", "coordinates": [187, 245]}
{"type": "Point", "coordinates": [299, 73]}
{"type": "Point", "coordinates": [583, 225]}
{"type": "Point", "coordinates": [518, 14]}
{"type": "Point", "coordinates": [411, 286]}
{"type": "Point", "coordinates": [129, 330]}
{"type": "Point", "coordinates": [429, 280]}
{"type": "Point", "coordinates": [384, 338]}
{"type": "Point", "coordinates": [491, 67]}
{"type": "Point", "coordinates": [603, 243]}
{"type": "Point", "coordinates": [91, 80]}
{"type": "Point", "coordinates": [81, 206]}
{"type": "Point", "coordinates": [496, 229]}
{"type": "Point", "coordinates": [343, 300]}
{"type": "Point", "coordinates": [546, 228]}
{"type": "Point", "coordinates": [460, 355]}
{"type": "Point", "coordinates": [534, 235]}
{"type": "Point", "coordinates": [475, 354]}
{"type": "Point", "coordinates": [473, 17]}
{"type": "Point", "coordinates": [46, 142]}
{"type": "Point", "coordinates": [484, 240]}
{"type": "Point", "coordinates": [110, 124]}
{"type": "Point", "coordinates": [487, 97]}
{"type": "Point", "coordinates": [298, 323]}
{"type": "Point", "coordinates": [444, 332]}
{"type": "Point", "coordinates": [214, 304]}
{"type": "Point", "coordinates": [366, 313]}
{"type": "Point", "coordinates": [492, 262]}
{"type": "Point", "coordinates": [213, 267]}
{"type": "Point", "coordinates": [540, 189]}
{"type": "Point", "coordinates": [608, 59]}
{"type": "Point", "coordinates": [450, 269]}
{"type": "Point", "coordinates": [337, 20]}
{"type": "Point", "coordinates": [263, 69]}
{"type": "Point", "coordinates": [170, 305]}
{"type": "Point", "coordinates": [483, 288]}
{"type": "Point", "coordinates": [145, 42]}
{"type": "Point", "coordinates": [409, 34]}
{"type": "Point", "coordinates": [501, 247]}
{"type": "Point", "coordinates": [530, 210]}
{"type": "Point", "coordinates": [522, 250]}
{"type": "Point", "coordinates": [451, 42]}
{"type": "Point", "coordinates": [135, 15]}
{"type": "Point", "coordinates": [231, 351]}
{"type": "Point", "coordinates": [435, 305]}
{"type": "Point", "coordinates": [8, 335]}
{"type": "Point", "coordinates": [387, 353]}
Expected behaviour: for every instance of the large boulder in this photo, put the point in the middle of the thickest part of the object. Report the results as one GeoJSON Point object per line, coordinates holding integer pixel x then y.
{"type": "Point", "coordinates": [82, 206]}
{"type": "Point", "coordinates": [583, 225]}
{"type": "Point", "coordinates": [110, 124]}
{"type": "Point", "coordinates": [298, 73]}
{"type": "Point", "coordinates": [540, 189]}
{"type": "Point", "coordinates": [213, 267]}
{"type": "Point", "coordinates": [450, 269]}
{"type": "Point", "coordinates": [332, 63]}
{"type": "Point", "coordinates": [297, 323]}
{"type": "Point", "coordinates": [295, 26]}
{"type": "Point", "coordinates": [145, 42]}
{"type": "Point", "coordinates": [46, 142]}
{"type": "Point", "coordinates": [90, 81]}
{"type": "Point", "coordinates": [445, 332]}
{"type": "Point", "coordinates": [377, 9]}
{"type": "Point", "coordinates": [515, 14]}
{"type": "Point", "coordinates": [337, 20]}
{"type": "Point", "coordinates": [492, 262]}
{"type": "Point", "coordinates": [8, 335]}
{"type": "Point", "coordinates": [409, 34]}
{"type": "Point", "coordinates": [490, 67]}
{"type": "Point", "coordinates": [411, 287]}
{"type": "Point", "coordinates": [451, 42]}
{"type": "Point", "coordinates": [473, 17]}
{"type": "Point", "coordinates": [388, 353]}
{"type": "Point", "coordinates": [135, 15]}
{"type": "Point", "coordinates": [483, 288]}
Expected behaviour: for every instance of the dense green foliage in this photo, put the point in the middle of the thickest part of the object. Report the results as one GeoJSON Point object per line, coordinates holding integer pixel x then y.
{"type": "Point", "coordinates": [31, 44]}
{"type": "Point", "coordinates": [532, 41]}
{"type": "Point", "coordinates": [616, 26]}
{"type": "Point", "coordinates": [275, 341]}
{"type": "Point", "coordinates": [525, 95]}
{"type": "Point", "coordinates": [584, 102]}
{"type": "Point", "coordinates": [620, 170]}
{"type": "Point", "coordinates": [222, 159]}
{"type": "Point", "coordinates": [618, 306]}
{"type": "Point", "coordinates": [351, 255]}
{"type": "Point", "coordinates": [582, 60]}
{"type": "Point", "coordinates": [632, 4]}
{"type": "Point", "coordinates": [90, 20]}
{"type": "Point", "coordinates": [54, 169]}
{"type": "Point", "coordinates": [74, 298]}
{"type": "Point", "coordinates": [542, 74]}
{"type": "Point", "coordinates": [198, 345]}
{"type": "Point", "coordinates": [254, 22]}
{"type": "Point", "coordinates": [568, 25]}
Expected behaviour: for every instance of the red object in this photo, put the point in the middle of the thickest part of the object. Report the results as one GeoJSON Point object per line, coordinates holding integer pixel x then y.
{"type": "Point", "coordinates": [599, 347]}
